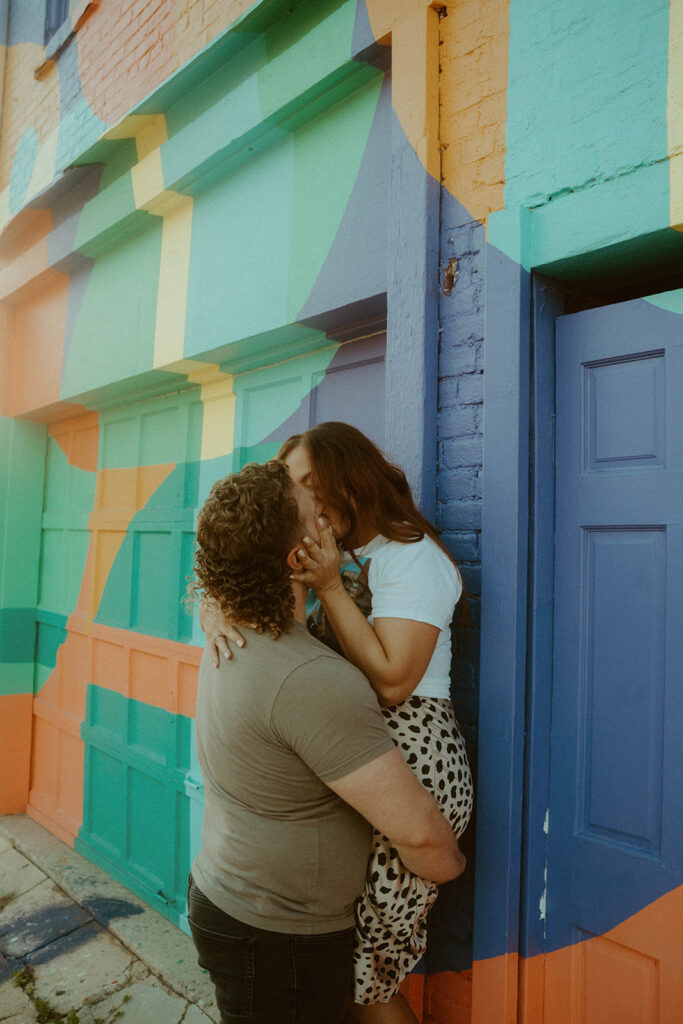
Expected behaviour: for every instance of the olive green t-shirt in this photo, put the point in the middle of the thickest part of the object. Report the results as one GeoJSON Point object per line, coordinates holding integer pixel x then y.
{"type": "Point", "coordinates": [284, 717]}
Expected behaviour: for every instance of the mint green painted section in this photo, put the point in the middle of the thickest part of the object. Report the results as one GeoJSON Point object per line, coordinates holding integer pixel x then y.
{"type": "Point", "coordinates": [69, 499]}
{"type": "Point", "coordinates": [242, 223]}
{"type": "Point", "coordinates": [271, 346]}
{"type": "Point", "coordinates": [261, 94]}
{"type": "Point", "coordinates": [587, 95]}
{"type": "Point", "coordinates": [618, 222]}
{"type": "Point", "coordinates": [221, 110]}
{"type": "Point", "coordinates": [113, 208]}
{"type": "Point", "coordinates": [267, 398]}
{"type": "Point", "coordinates": [64, 542]}
{"type": "Point", "coordinates": [22, 468]}
{"type": "Point", "coordinates": [327, 156]}
{"type": "Point", "coordinates": [78, 128]}
{"type": "Point", "coordinates": [161, 430]}
{"type": "Point", "coordinates": [136, 810]}
{"type": "Point", "coordinates": [148, 579]}
{"type": "Point", "coordinates": [283, 36]}
{"type": "Point", "coordinates": [585, 198]}
{"type": "Point", "coordinates": [672, 301]}
{"type": "Point", "coordinates": [16, 677]}
{"type": "Point", "coordinates": [67, 488]}
{"type": "Point", "coordinates": [114, 335]}
{"type": "Point", "coordinates": [278, 213]}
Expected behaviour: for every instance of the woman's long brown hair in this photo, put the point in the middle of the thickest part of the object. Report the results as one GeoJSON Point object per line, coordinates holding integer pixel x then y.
{"type": "Point", "coordinates": [350, 473]}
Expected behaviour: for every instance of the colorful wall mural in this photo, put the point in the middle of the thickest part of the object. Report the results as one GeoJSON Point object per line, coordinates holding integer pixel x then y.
{"type": "Point", "coordinates": [220, 221]}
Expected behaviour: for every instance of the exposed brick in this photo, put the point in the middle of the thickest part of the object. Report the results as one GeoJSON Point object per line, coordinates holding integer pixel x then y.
{"type": "Point", "coordinates": [459, 515]}
{"type": "Point", "coordinates": [459, 359]}
{"type": "Point", "coordinates": [448, 392]}
{"type": "Point", "coordinates": [464, 452]}
{"type": "Point", "coordinates": [471, 389]}
{"type": "Point", "coordinates": [462, 329]}
{"type": "Point", "coordinates": [464, 546]}
{"type": "Point", "coordinates": [461, 422]}
{"type": "Point", "coordinates": [459, 484]}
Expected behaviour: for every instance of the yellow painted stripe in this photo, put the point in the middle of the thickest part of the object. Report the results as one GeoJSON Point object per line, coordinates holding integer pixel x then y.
{"type": "Point", "coordinates": [174, 272]}
{"type": "Point", "coordinates": [216, 387]}
{"type": "Point", "coordinates": [218, 426]}
{"type": "Point", "coordinates": [412, 28]}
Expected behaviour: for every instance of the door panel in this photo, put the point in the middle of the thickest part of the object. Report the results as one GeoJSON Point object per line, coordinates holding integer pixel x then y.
{"type": "Point", "coordinates": [615, 824]}
{"type": "Point", "coordinates": [56, 790]}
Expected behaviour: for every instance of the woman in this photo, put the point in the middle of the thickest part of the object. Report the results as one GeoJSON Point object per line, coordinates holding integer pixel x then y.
{"type": "Point", "coordinates": [399, 571]}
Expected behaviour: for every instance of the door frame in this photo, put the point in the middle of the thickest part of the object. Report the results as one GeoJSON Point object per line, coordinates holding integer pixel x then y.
{"type": "Point", "coordinates": [517, 631]}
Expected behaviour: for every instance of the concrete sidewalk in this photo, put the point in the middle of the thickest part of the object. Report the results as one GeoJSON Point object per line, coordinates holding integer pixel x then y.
{"type": "Point", "coordinates": [87, 949]}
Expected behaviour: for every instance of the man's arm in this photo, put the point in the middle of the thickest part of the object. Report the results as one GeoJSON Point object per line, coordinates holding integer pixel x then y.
{"type": "Point", "coordinates": [386, 792]}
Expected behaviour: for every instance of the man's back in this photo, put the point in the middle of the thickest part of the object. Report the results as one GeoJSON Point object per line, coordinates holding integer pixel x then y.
{"type": "Point", "coordinates": [280, 850]}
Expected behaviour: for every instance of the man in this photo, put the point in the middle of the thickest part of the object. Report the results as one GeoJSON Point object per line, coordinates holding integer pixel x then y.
{"type": "Point", "coordinates": [297, 761]}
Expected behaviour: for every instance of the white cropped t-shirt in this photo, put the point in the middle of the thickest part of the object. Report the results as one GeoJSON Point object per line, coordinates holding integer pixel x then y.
{"type": "Point", "coordinates": [415, 581]}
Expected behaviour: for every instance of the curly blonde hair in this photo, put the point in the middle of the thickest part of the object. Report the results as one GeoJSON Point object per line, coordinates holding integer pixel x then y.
{"type": "Point", "coordinates": [245, 530]}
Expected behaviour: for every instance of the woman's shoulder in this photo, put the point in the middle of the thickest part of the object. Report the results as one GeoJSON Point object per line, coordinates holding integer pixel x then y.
{"type": "Point", "coordinates": [424, 554]}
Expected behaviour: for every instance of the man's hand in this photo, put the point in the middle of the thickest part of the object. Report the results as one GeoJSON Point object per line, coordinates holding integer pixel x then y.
{"type": "Point", "coordinates": [386, 792]}
{"type": "Point", "coordinates": [218, 631]}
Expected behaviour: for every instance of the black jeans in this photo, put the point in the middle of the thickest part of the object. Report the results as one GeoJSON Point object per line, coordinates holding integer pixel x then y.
{"type": "Point", "coordinates": [264, 977]}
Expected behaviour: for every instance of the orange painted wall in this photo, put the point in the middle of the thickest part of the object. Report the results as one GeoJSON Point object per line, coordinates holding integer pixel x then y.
{"type": "Point", "coordinates": [15, 736]}
{"type": "Point", "coordinates": [34, 337]}
{"type": "Point", "coordinates": [473, 92]}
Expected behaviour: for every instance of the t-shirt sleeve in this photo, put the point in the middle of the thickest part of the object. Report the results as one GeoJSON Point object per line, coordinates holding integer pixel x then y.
{"type": "Point", "coordinates": [328, 714]}
{"type": "Point", "coordinates": [415, 581]}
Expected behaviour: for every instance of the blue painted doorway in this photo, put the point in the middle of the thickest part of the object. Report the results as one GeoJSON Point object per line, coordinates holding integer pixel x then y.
{"type": "Point", "coordinates": [612, 909]}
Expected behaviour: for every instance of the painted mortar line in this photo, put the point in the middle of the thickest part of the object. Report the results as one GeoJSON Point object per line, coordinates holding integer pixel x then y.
{"type": "Point", "coordinates": [592, 183]}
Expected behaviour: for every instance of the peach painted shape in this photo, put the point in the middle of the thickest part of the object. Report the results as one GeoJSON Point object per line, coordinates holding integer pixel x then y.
{"type": "Point", "coordinates": [448, 997]}
{"type": "Point", "coordinates": [160, 673]}
{"type": "Point", "coordinates": [472, 93]}
{"type": "Point", "coordinates": [412, 28]}
{"type": "Point", "coordinates": [121, 61]}
{"type": "Point", "coordinates": [32, 359]}
{"type": "Point", "coordinates": [633, 975]}
{"type": "Point", "coordinates": [473, 112]}
{"type": "Point", "coordinates": [413, 989]}
{"type": "Point", "coordinates": [26, 102]}
{"type": "Point", "coordinates": [494, 990]}
{"type": "Point", "coordinates": [58, 786]}
{"type": "Point", "coordinates": [15, 743]}
{"type": "Point", "coordinates": [79, 440]}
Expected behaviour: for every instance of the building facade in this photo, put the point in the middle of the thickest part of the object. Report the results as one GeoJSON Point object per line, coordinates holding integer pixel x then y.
{"type": "Point", "coordinates": [222, 221]}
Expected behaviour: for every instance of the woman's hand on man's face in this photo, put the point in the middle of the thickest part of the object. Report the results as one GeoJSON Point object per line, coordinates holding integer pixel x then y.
{"type": "Point", "coordinates": [320, 562]}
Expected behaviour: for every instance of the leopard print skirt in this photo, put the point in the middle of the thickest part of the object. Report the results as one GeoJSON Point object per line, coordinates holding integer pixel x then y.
{"type": "Point", "coordinates": [391, 914]}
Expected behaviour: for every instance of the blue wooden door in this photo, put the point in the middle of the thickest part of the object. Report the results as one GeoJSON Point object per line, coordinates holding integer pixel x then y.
{"type": "Point", "coordinates": [613, 905]}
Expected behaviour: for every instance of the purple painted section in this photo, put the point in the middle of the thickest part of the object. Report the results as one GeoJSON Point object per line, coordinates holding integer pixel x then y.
{"type": "Point", "coordinates": [363, 37]}
{"type": "Point", "coordinates": [67, 197]}
{"type": "Point", "coordinates": [26, 23]}
{"type": "Point", "coordinates": [412, 324]}
{"type": "Point", "coordinates": [504, 599]}
{"type": "Point", "coordinates": [352, 390]}
{"type": "Point", "coordinates": [616, 804]}
{"type": "Point", "coordinates": [460, 455]}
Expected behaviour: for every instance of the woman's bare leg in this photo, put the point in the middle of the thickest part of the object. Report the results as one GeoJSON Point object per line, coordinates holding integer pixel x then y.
{"type": "Point", "coordinates": [396, 1011]}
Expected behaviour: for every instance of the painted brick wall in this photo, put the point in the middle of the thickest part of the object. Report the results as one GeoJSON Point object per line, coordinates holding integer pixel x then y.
{"type": "Point", "coordinates": [473, 84]}
{"type": "Point", "coordinates": [120, 53]}
{"type": "Point", "coordinates": [473, 63]}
